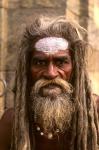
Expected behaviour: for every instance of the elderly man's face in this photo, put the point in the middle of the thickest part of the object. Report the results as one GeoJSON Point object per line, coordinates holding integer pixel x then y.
{"type": "Point", "coordinates": [50, 66]}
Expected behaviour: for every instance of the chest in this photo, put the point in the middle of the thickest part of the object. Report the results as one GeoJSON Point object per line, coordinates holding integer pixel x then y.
{"type": "Point", "coordinates": [57, 143]}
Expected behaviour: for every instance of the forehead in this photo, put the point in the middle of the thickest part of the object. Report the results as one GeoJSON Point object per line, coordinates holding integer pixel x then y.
{"type": "Point", "coordinates": [60, 53]}
{"type": "Point", "coordinates": [51, 45]}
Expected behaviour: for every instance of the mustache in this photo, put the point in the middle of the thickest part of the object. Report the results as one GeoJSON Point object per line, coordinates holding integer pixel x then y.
{"type": "Point", "coordinates": [67, 87]}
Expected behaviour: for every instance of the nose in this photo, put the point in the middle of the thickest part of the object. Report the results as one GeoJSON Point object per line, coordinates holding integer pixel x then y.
{"type": "Point", "coordinates": [51, 72]}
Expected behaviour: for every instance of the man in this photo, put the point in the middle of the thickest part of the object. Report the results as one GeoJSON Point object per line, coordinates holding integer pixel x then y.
{"type": "Point", "coordinates": [54, 106]}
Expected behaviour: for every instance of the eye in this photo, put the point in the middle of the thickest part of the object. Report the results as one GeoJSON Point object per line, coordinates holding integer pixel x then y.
{"type": "Point", "coordinates": [61, 62]}
{"type": "Point", "coordinates": [39, 62]}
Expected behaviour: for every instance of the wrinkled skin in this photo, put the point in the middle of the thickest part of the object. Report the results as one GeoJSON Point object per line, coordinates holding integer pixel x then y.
{"type": "Point", "coordinates": [50, 66]}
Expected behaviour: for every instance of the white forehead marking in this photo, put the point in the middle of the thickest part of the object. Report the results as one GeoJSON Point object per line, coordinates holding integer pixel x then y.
{"type": "Point", "coordinates": [51, 44]}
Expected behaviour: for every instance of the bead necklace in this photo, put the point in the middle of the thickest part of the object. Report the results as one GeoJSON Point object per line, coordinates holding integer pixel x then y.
{"type": "Point", "coordinates": [49, 135]}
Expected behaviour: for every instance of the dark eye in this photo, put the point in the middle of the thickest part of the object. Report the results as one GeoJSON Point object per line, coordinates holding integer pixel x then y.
{"type": "Point", "coordinates": [39, 62]}
{"type": "Point", "coordinates": [62, 62]}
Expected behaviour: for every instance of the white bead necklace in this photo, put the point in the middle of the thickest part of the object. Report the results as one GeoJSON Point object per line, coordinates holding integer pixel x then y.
{"type": "Point", "coordinates": [49, 135]}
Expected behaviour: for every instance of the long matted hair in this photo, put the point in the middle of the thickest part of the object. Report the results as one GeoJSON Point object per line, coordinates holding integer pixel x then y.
{"type": "Point", "coordinates": [85, 121]}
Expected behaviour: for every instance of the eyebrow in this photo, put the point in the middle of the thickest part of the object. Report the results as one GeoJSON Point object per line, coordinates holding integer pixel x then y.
{"type": "Point", "coordinates": [55, 58]}
{"type": "Point", "coordinates": [38, 58]}
{"type": "Point", "coordinates": [61, 57]}
{"type": "Point", "coordinates": [65, 58]}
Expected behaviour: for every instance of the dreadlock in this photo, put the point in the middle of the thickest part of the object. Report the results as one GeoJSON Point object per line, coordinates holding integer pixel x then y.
{"type": "Point", "coordinates": [85, 130]}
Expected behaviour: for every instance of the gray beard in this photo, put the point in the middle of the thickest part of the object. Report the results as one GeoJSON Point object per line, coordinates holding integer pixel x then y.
{"type": "Point", "coordinates": [53, 112]}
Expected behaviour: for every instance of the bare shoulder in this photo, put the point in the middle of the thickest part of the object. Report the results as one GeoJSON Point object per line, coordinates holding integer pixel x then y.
{"type": "Point", "coordinates": [8, 116]}
{"type": "Point", "coordinates": [6, 124]}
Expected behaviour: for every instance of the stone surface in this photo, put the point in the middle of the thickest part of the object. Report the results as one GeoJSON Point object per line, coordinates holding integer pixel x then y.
{"type": "Point", "coordinates": [0, 35]}
{"type": "Point", "coordinates": [3, 3]}
{"type": "Point", "coordinates": [72, 13]}
{"type": "Point", "coordinates": [0, 3]}
{"type": "Point", "coordinates": [27, 3]}
{"type": "Point", "coordinates": [51, 3]}
{"type": "Point", "coordinates": [20, 3]}
{"type": "Point", "coordinates": [13, 3]}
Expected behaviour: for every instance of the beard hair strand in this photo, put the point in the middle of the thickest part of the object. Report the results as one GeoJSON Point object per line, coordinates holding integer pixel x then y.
{"type": "Point", "coordinates": [53, 114]}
